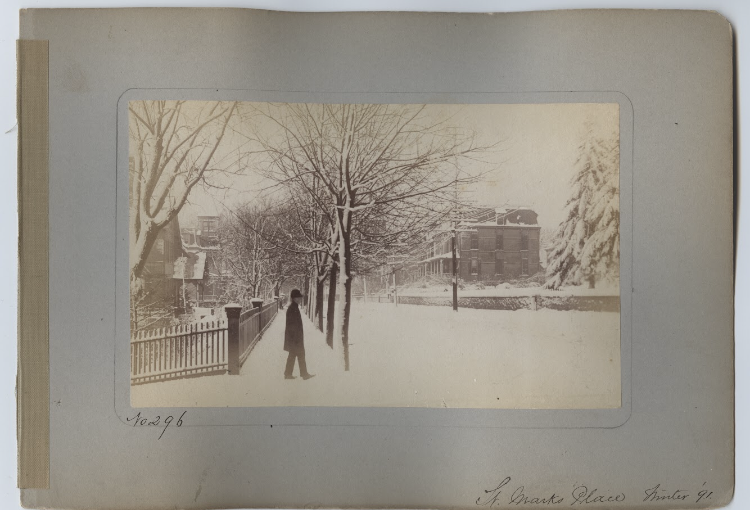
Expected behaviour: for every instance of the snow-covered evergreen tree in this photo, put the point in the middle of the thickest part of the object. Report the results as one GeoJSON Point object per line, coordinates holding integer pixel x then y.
{"type": "Point", "coordinates": [587, 243]}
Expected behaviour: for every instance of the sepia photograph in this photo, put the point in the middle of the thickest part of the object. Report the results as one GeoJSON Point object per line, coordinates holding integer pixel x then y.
{"type": "Point", "coordinates": [374, 255]}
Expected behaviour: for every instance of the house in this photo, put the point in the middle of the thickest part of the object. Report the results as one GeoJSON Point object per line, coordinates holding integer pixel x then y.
{"type": "Point", "coordinates": [495, 244]}
{"type": "Point", "coordinates": [192, 274]}
{"type": "Point", "coordinates": [159, 301]}
{"type": "Point", "coordinates": [204, 272]}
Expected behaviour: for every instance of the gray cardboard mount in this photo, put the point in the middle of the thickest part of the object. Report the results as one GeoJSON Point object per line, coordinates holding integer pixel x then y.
{"type": "Point", "coordinates": [672, 74]}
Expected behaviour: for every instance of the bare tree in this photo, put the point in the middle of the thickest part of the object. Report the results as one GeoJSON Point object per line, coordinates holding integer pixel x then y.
{"type": "Point", "coordinates": [261, 248]}
{"type": "Point", "coordinates": [244, 252]}
{"type": "Point", "coordinates": [396, 159]}
{"type": "Point", "coordinates": [173, 145]}
{"type": "Point", "coordinates": [310, 230]}
{"type": "Point", "coordinates": [305, 233]}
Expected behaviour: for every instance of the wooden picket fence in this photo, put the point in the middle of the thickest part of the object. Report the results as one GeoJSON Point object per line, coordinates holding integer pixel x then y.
{"type": "Point", "coordinates": [179, 351]}
{"type": "Point", "coordinates": [206, 347]}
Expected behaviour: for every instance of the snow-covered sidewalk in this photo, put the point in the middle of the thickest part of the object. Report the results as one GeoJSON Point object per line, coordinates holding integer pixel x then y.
{"type": "Point", "coordinates": [421, 356]}
{"type": "Point", "coordinates": [261, 381]}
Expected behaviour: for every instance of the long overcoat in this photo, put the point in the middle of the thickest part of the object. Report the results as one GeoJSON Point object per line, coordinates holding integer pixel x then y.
{"type": "Point", "coordinates": [294, 337]}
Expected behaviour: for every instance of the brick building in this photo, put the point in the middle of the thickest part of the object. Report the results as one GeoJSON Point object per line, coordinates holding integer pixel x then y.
{"type": "Point", "coordinates": [493, 244]}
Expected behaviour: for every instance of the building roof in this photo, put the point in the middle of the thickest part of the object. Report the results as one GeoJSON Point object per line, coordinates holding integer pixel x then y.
{"type": "Point", "coordinates": [509, 224]}
{"type": "Point", "coordinates": [486, 215]}
{"type": "Point", "coordinates": [507, 208]}
{"type": "Point", "coordinates": [517, 215]}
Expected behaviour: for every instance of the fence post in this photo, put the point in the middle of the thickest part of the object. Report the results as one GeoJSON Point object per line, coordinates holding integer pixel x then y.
{"type": "Point", "coordinates": [535, 302]}
{"type": "Point", "coordinates": [258, 303]}
{"type": "Point", "coordinates": [233, 338]}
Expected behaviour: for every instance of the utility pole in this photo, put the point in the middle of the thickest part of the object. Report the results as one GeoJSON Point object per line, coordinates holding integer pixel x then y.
{"type": "Point", "coordinates": [395, 292]}
{"type": "Point", "coordinates": [455, 269]}
{"type": "Point", "coordinates": [182, 264]}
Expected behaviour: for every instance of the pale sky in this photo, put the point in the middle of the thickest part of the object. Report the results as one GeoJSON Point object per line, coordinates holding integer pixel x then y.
{"type": "Point", "coordinates": [531, 165]}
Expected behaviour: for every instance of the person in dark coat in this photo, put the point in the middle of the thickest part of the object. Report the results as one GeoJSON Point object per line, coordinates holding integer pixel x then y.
{"type": "Point", "coordinates": [294, 338]}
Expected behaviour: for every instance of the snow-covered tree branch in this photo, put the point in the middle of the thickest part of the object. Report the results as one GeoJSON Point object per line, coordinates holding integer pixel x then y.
{"type": "Point", "coordinates": [173, 145]}
{"type": "Point", "coordinates": [372, 170]}
{"type": "Point", "coordinates": [586, 245]}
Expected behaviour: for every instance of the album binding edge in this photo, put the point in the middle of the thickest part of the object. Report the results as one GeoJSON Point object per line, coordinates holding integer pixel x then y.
{"type": "Point", "coordinates": [32, 378]}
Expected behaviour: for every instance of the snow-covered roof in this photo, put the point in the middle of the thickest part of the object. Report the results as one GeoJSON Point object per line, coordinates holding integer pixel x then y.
{"type": "Point", "coordinates": [194, 267]}
{"type": "Point", "coordinates": [493, 224]}
{"type": "Point", "coordinates": [508, 208]}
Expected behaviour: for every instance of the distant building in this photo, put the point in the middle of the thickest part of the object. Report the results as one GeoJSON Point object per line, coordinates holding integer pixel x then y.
{"type": "Point", "coordinates": [160, 297]}
{"type": "Point", "coordinates": [204, 273]}
{"type": "Point", "coordinates": [193, 274]}
{"type": "Point", "coordinates": [492, 244]}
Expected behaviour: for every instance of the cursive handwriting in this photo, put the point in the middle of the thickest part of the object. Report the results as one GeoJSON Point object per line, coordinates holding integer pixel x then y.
{"type": "Point", "coordinates": [656, 493]}
{"type": "Point", "coordinates": [652, 494]}
{"type": "Point", "coordinates": [142, 421]}
{"type": "Point", "coordinates": [582, 495]}
{"type": "Point", "coordinates": [507, 493]}
{"type": "Point", "coordinates": [519, 497]}
{"type": "Point", "coordinates": [494, 494]}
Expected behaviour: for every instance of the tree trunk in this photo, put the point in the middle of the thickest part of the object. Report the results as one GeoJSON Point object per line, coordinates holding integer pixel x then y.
{"type": "Point", "coordinates": [341, 320]}
{"type": "Point", "coordinates": [279, 280]}
{"type": "Point", "coordinates": [142, 240]}
{"type": "Point", "coordinates": [320, 288]}
{"type": "Point", "coordinates": [313, 298]}
{"type": "Point", "coordinates": [331, 303]}
{"type": "Point", "coordinates": [136, 293]}
{"type": "Point", "coordinates": [347, 305]}
{"type": "Point", "coordinates": [306, 290]}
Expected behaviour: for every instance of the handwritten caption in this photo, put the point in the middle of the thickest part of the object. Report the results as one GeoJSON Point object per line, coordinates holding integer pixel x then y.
{"type": "Point", "coordinates": [507, 493]}
{"type": "Point", "coordinates": [143, 421]}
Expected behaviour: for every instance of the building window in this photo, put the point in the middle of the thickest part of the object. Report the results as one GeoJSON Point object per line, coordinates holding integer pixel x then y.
{"type": "Point", "coordinates": [524, 239]}
{"type": "Point", "coordinates": [474, 266]}
{"type": "Point", "coordinates": [524, 266]}
{"type": "Point", "coordinates": [499, 266]}
{"type": "Point", "coordinates": [474, 241]}
{"type": "Point", "coordinates": [159, 246]}
{"type": "Point", "coordinates": [499, 240]}
{"type": "Point", "coordinates": [209, 228]}
{"type": "Point", "coordinates": [486, 244]}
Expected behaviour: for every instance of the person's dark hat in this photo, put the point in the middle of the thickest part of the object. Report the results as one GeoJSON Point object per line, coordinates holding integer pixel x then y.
{"type": "Point", "coordinates": [296, 293]}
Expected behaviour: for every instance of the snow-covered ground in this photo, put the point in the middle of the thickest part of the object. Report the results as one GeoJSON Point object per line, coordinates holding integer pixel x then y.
{"type": "Point", "coordinates": [505, 290]}
{"type": "Point", "coordinates": [423, 356]}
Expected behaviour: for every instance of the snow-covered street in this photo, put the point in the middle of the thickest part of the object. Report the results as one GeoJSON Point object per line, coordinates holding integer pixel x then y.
{"type": "Point", "coordinates": [425, 356]}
